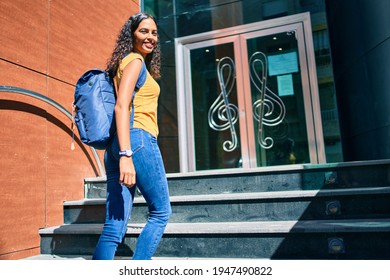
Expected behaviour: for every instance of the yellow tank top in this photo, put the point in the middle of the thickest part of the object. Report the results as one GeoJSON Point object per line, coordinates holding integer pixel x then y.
{"type": "Point", "coordinates": [145, 101]}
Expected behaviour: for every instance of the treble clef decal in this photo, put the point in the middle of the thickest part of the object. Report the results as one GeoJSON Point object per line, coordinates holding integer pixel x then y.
{"type": "Point", "coordinates": [269, 109]}
{"type": "Point", "coordinates": [222, 114]}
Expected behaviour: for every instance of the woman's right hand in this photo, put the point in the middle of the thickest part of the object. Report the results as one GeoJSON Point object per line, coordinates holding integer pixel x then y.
{"type": "Point", "coordinates": [127, 171]}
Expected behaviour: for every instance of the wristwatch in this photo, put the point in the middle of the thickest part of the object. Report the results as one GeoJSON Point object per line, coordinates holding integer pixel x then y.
{"type": "Point", "coordinates": [126, 153]}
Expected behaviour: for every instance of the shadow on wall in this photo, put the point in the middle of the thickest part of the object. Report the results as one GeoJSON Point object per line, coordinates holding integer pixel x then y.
{"type": "Point", "coordinates": [24, 107]}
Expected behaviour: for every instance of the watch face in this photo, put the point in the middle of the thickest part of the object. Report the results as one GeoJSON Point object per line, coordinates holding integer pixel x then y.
{"type": "Point", "coordinates": [127, 153]}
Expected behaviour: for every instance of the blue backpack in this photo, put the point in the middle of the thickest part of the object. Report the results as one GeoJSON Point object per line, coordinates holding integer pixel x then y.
{"type": "Point", "coordinates": [94, 102]}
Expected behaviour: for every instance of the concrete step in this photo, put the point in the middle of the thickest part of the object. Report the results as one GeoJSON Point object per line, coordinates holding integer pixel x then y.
{"type": "Point", "coordinates": [315, 239]}
{"type": "Point", "coordinates": [329, 211]}
{"type": "Point", "coordinates": [265, 179]}
{"type": "Point", "coordinates": [372, 202]}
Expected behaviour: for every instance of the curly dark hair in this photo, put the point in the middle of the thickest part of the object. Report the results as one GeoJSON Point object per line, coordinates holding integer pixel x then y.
{"type": "Point", "coordinates": [124, 46]}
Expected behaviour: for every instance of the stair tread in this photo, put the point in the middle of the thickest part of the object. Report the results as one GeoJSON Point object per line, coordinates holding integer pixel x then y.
{"type": "Point", "coordinates": [309, 226]}
{"type": "Point", "coordinates": [266, 169]}
{"type": "Point", "coordinates": [289, 212]}
{"type": "Point", "coordinates": [249, 195]}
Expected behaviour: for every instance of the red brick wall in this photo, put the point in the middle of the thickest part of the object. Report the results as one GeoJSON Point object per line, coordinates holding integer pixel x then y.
{"type": "Point", "coordinates": [45, 46]}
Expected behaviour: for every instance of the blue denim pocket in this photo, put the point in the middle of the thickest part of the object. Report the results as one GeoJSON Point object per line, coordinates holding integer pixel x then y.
{"type": "Point", "coordinates": [136, 139]}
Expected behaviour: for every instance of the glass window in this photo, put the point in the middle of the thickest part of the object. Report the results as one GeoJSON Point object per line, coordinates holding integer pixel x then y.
{"type": "Point", "coordinates": [186, 17]}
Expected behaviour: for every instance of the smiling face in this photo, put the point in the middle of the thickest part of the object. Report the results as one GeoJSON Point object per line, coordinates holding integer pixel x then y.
{"type": "Point", "coordinates": [145, 37]}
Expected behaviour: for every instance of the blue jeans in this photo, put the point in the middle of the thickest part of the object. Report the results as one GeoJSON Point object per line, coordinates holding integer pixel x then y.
{"type": "Point", "coordinates": [151, 181]}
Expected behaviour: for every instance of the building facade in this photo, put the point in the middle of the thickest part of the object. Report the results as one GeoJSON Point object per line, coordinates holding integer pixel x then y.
{"type": "Point", "coordinates": [261, 83]}
{"type": "Point", "coordinates": [246, 85]}
{"type": "Point", "coordinates": [44, 47]}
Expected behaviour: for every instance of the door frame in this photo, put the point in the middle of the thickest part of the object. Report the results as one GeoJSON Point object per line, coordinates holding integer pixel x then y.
{"type": "Point", "coordinates": [183, 47]}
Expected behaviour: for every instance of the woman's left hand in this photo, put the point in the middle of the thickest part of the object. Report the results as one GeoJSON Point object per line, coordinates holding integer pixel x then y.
{"type": "Point", "coordinates": [127, 172]}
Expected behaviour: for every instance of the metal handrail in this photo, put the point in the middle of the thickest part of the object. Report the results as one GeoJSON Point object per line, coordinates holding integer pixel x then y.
{"type": "Point", "coordinates": [55, 105]}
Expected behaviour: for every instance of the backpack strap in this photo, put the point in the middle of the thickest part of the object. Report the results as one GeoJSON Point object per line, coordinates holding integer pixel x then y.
{"type": "Point", "coordinates": [140, 82]}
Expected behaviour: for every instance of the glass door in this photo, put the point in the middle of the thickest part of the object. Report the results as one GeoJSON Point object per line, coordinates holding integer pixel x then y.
{"type": "Point", "coordinates": [250, 100]}
{"type": "Point", "coordinates": [278, 99]}
{"type": "Point", "coordinates": [215, 103]}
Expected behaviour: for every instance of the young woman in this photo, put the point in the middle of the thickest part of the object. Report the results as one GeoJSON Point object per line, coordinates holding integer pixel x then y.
{"type": "Point", "coordinates": [133, 158]}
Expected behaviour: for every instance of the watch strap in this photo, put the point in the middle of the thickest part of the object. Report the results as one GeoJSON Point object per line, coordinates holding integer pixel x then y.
{"type": "Point", "coordinates": [126, 153]}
